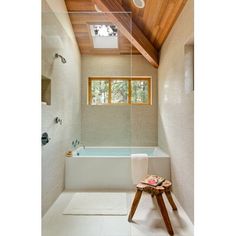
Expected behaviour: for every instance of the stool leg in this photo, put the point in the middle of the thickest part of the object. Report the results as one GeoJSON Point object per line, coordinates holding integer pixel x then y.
{"type": "Point", "coordinates": [164, 213]}
{"type": "Point", "coordinates": [135, 204]}
{"type": "Point", "coordinates": [170, 199]}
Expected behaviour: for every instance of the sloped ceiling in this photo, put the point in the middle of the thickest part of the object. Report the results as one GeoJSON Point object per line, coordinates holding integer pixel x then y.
{"type": "Point", "coordinates": [154, 23]}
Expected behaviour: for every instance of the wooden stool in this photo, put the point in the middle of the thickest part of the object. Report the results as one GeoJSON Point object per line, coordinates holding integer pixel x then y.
{"type": "Point", "coordinates": [155, 191]}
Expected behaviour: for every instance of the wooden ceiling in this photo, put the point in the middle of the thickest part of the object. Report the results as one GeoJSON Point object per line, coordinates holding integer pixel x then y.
{"type": "Point", "coordinates": [81, 22]}
{"type": "Point", "coordinates": [150, 25]}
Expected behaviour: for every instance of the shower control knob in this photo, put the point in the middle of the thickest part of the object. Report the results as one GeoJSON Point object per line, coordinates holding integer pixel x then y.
{"type": "Point", "coordinates": [58, 120]}
{"type": "Point", "coordinates": [45, 139]}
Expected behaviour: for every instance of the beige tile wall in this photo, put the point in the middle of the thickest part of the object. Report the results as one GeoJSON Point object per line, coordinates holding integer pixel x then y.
{"type": "Point", "coordinates": [65, 97]}
{"type": "Point", "coordinates": [118, 125]}
{"type": "Point", "coordinates": [175, 120]}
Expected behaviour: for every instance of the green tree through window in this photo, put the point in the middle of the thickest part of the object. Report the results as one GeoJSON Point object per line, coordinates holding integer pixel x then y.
{"type": "Point", "coordinates": [113, 90]}
{"type": "Point", "coordinates": [119, 91]}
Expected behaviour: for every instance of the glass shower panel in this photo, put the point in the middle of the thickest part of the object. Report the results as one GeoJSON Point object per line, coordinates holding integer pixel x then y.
{"type": "Point", "coordinates": [106, 67]}
{"type": "Point", "coordinates": [143, 104]}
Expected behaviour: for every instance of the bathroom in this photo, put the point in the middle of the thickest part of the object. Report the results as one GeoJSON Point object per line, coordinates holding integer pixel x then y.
{"type": "Point", "coordinates": [71, 142]}
{"type": "Point", "coordinates": [89, 139]}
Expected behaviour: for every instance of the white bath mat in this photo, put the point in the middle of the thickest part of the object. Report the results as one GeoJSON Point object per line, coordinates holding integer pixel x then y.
{"type": "Point", "coordinates": [97, 204]}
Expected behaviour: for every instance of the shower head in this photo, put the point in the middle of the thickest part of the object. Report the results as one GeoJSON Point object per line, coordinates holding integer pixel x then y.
{"type": "Point", "coordinates": [63, 60]}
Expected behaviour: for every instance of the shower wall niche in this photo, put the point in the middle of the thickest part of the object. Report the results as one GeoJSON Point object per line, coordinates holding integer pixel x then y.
{"type": "Point", "coordinates": [45, 90]}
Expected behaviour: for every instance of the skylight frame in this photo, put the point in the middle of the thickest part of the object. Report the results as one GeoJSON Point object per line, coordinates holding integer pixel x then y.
{"type": "Point", "coordinates": [102, 25]}
{"type": "Point", "coordinates": [106, 38]}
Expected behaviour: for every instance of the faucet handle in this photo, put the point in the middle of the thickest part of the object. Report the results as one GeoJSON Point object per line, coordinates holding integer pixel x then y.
{"type": "Point", "coordinates": [58, 120]}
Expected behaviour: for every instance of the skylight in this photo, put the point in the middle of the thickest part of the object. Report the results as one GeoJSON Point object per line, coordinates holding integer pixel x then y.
{"type": "Point", "coordinates": [104, 36]}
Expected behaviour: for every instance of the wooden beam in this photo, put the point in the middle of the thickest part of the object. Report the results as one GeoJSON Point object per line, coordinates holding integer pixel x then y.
{"type": "Point", "coordinates": [117, 14]}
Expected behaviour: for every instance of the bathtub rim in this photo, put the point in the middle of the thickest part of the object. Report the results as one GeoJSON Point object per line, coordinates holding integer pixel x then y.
{"type": "Point", "coordinates": [74, 155]}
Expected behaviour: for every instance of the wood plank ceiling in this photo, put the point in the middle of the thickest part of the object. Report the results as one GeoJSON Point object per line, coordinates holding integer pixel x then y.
{"type": "Point", "coordinates": [155, 21]}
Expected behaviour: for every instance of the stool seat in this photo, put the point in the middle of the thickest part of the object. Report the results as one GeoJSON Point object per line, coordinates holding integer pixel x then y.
{"type": "Point", "coordinates": [156, 191]}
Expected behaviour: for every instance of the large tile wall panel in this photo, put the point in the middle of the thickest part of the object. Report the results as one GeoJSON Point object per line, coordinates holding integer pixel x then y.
{"type": "Point", "coordinates": [118, 125]}
{"type": "Point", "coordinates": [175, 114]}
{"type": "Point", "coordinates": [58, 37]}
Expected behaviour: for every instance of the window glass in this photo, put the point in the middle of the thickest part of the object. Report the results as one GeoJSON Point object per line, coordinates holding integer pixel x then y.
{"type": "Point", "coordinates": [99, 92]}
{"type": "Point", "coordinates": [139, 91]}
{"type": "Point", "coordinates": [119, 91]}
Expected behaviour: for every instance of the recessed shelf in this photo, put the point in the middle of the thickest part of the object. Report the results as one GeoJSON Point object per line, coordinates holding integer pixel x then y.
{"type": "Point", "coordinates": [45, 90]}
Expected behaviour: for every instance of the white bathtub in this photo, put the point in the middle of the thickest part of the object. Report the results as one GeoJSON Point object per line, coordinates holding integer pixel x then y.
{"type": "Point", "coordinates": [109, 168]}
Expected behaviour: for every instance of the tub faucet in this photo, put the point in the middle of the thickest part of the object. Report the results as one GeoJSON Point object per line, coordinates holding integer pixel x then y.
{"type": "Point", "coordinates": [83, 145]}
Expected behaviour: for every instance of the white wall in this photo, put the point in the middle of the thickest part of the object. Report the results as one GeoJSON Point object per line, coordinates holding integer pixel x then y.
{"type": "Point", "coordinates": [175, 120]}
{"type": "Point", "coordinates": [58, 37]}
{"type": "Point", "coordinates": [118, 125]}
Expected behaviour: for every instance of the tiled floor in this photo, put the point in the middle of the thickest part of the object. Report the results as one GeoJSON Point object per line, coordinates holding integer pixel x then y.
{"type": "Point", "coordinates": [147, 221]}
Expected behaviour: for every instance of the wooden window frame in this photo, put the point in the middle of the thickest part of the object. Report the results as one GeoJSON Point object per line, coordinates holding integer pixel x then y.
{"type": "Point", "coordinates": [110, 79]}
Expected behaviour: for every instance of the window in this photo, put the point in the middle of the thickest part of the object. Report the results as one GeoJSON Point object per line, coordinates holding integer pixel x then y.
{"type": "Point", "coordinates": [104, 36]}
{"type": "Point", "coordinates": [119, 90]}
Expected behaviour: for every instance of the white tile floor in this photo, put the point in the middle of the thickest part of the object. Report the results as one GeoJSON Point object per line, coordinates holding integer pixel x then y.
{"type": "Point", "coordinates": [147, 220]}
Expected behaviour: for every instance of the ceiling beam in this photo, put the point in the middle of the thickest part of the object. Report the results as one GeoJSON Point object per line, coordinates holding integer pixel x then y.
{"type": "Point", "coordinates": [117, 14]}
